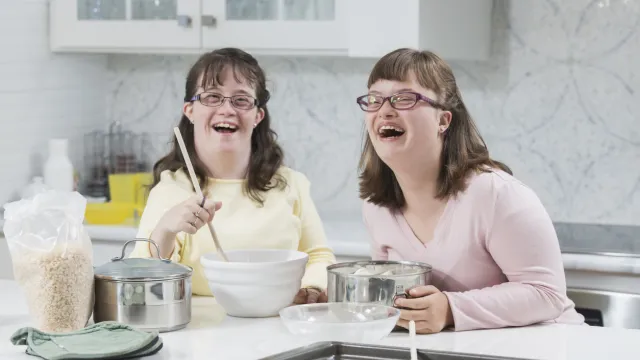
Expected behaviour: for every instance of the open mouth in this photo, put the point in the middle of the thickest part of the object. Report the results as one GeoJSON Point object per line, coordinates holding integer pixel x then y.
{"type": "Point", "coordinates": [390, 132]}
{"type": "Point", "coordinates": [225, 128]}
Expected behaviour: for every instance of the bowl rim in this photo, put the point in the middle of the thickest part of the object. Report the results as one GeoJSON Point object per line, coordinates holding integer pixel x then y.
{"type": "Point", "coordinates": [210, 259]}
{"type": "Point", "coordinates": [426, 268]}
{"type": "Point", "coordinates": [285, 310]}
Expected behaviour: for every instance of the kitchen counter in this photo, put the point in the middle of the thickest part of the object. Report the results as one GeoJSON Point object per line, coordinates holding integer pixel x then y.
{"type": "Point", "coordinates": [213, 335]}
{"type": "Point", "coordinates": [585, 247]}
{"type": "Point", "coordinates": [346, 238]}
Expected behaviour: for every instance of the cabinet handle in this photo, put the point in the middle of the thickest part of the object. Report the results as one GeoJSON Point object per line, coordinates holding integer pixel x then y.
{"type": "Point", "coordinates": [209, 21]}
{"type": "Point", "coordinates": [184, 20]}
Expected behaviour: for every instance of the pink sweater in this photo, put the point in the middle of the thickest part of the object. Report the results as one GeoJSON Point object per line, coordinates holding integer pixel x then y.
{"type": "Point", "coordinates": [495, 254]}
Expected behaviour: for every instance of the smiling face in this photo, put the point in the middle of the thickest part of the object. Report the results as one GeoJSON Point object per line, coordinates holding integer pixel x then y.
{"type": "Point", "coordinates": [434, 141]}
{"type": "Point", "coordinates": [224, 124]}
{"type": "Point", "coordinates": [406, 134]}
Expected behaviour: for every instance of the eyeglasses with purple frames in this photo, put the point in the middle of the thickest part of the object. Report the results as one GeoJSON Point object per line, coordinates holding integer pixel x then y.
{"type": "Point", "coordinates": [400, 101]}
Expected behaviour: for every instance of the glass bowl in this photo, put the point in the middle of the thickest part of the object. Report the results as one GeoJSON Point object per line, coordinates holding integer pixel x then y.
{"type": "Point", "coordinates": [340, 321]}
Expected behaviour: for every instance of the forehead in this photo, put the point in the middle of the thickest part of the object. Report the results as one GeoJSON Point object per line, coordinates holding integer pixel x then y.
{"type": "Point", "coordinates": [228, 78]}
{"type": "Point", "coordinates": [389, 87]}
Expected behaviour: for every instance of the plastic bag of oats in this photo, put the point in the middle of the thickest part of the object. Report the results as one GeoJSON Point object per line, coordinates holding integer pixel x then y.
{"type": "Point", "coordinates": [52, 258]}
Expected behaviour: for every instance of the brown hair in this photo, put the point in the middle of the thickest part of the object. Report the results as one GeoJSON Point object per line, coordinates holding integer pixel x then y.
{"type": "Point", "coordinates": [266, 155]}
{"type": "Point", "coordinates": [463, 149]}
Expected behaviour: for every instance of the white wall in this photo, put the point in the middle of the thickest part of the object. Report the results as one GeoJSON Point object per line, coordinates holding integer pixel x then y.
{"type": "Point", "coordinates": [41, 95]}
{"type": "Point", "coordinates": [558, 102]}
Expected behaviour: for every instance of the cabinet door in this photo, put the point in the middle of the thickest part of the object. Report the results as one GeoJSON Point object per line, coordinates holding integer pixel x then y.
{"type": "Point", "coordinates": [125, 25]}
{"type": "Point", "coordinates": [275, 26]}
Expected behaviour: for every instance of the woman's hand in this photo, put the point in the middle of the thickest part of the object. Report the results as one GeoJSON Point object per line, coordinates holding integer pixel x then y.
{"type": "Point", "coordinates": [188, 216]}
{"type": "Point", "coordinates": [429, 309]}
{"type": "Point", "coordinates": [310, 295]}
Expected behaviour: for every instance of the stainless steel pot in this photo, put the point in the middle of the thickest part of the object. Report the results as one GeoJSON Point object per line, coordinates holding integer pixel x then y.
{"type": "Point", "coordinates": [377, 282]}
{"type": "Point", "coordinates": [149, 294]}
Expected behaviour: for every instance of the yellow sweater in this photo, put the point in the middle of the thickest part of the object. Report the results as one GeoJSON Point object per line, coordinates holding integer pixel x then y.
{"type": "Point", "coordinates": [288, 220]}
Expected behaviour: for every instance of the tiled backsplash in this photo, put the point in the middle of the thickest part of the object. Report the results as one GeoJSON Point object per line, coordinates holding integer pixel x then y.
{"type": "Point", "coordinates": [556, 103]}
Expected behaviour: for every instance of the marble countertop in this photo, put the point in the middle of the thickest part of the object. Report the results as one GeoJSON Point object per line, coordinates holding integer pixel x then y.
{"type": "Point", "coordinates": [213, 335]}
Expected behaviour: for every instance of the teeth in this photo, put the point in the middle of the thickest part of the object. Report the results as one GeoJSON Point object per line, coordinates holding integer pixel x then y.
{"type": "Point", "coordinates": [389, 127]}
{"type": "Point", "coordinates": [225, 125]}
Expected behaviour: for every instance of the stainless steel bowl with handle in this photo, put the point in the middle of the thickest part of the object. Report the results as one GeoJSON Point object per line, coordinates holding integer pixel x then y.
{"type": "Point", "coordinates": [378, 282]}
{"type": "Point", "coordinates": [152, 294]}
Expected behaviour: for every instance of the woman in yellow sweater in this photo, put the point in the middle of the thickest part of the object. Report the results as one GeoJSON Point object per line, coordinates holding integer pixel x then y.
{"type": "Point", "coordinates": [259, 203]}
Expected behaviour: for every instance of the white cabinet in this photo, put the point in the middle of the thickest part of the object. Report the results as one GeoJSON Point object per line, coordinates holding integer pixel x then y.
{"type": "Point", "coordinates": [125, 25]}
{"type": "Point", "coordinates": [455, 29]}
{"type": "Point", "coordinates": [275, 26]}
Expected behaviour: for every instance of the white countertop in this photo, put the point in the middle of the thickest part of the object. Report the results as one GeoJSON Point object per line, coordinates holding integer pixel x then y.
{"type": "Point", "coordinates": [350, 238]}
{"type": "Point", "coordinates": [346, 238]}
{"type": "Point", "coordinates": [213, 335]}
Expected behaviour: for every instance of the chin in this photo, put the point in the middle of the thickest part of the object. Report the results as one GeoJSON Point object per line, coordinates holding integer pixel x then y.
{"type": "Point", "coordinates": [389, 156]}
{"type": "Point", "coordinates": [227, 148]}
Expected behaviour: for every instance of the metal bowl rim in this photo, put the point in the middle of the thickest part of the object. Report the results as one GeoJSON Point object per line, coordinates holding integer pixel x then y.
{"type": "Point", "coordinates": [426, 268]}
{"type": "Point", "coordinates": [143, 279]}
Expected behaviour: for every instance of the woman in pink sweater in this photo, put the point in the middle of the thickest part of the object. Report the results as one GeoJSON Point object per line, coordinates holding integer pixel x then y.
{"type": "Point", "coordinates": [432, 194]}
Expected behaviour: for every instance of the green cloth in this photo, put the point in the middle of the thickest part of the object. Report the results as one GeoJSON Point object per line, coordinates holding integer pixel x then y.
{"type": "Point", "coordinates": [105, 340]}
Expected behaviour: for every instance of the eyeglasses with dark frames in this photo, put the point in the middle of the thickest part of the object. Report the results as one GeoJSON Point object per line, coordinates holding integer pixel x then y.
{"type": "Point", "coordinates": [400, 101]}
{"type": "Point", "coordinates": [241, 101]}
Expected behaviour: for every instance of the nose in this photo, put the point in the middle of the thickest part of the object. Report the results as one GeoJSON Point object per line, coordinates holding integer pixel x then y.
{"type": "Point", "coordinates": [226, 107]}
{"type": "Point", "coordinates": [387, 111]}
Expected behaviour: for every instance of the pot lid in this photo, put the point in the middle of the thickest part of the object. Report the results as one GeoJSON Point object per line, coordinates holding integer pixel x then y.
{"type": "Point", "coordinates": [141, 269]}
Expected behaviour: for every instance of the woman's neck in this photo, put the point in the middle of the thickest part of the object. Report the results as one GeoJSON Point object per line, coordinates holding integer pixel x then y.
{"type": "Point", "coordinates": [228, 165]}
{"type": "Point", "coordinates": [419, 186]}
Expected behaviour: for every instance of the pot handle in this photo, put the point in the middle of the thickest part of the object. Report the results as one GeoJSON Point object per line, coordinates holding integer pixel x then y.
{"type": "Point", "coordinates": [124, 247]}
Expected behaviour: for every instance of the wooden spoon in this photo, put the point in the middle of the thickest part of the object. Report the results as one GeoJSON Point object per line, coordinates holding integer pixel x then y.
{"type": "Point", "coordinates": [196, 185]}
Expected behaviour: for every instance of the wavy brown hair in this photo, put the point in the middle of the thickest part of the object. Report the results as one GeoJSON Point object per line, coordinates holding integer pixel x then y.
{"type": "Point", "coordinates": [266, 154]}
{"type": "Point", "coordinates": [463, 151]}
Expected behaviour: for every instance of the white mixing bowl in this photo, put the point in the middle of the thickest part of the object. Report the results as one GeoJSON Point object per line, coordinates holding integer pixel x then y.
{"type": "Point", "coordinates": [255, 283]}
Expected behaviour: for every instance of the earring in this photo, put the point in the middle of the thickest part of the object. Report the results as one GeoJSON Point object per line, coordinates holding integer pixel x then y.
{"type": "Point", "coordinates": [255, 124]}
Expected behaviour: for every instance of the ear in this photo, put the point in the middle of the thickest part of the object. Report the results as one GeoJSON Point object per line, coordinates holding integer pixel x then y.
{"type": "Point", "coordinates": [259, 116]}
{"type": "Point", "coordinates": [187, 110]}
{"type": "Point", "coordinates": [444, 121]}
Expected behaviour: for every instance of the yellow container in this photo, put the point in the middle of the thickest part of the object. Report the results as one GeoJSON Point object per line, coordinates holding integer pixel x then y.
{"type": "Point", "coordinates": [130, 188]}
{"type": "Point", "coordinates": [113, 213]}
{"type": "Point", "coordinates": [144, 181]}
{"type": "Point", "coordinates": [123, 188]}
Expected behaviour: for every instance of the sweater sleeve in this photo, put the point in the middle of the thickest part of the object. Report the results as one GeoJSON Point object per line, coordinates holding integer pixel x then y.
{"type": "Point", "coordinates": [523, 243]}
{"type": "Point", "coordinates": [157, 204]}
{"type": "Point", "coordinates": [313, 240]}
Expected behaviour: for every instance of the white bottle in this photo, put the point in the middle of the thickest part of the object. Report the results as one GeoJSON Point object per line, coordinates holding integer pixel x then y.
{"type": "Point", "coordinates": [58, 170]}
